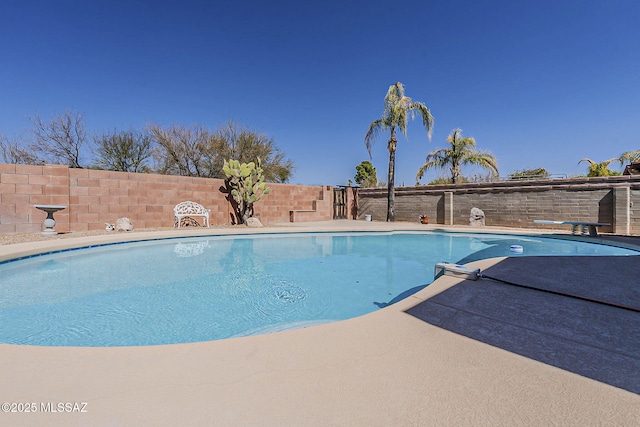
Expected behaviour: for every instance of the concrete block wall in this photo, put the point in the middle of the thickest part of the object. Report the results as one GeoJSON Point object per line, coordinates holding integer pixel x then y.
{"type": "Point", "coordinates": [96, 197]}
{"type": "Point", "coordinates": [613, 200]}
{"type": "Point", "coordinates": [296, 203]}
{"type": "Point", "coordinates": [22, 186]}
{"type": "Point", "coordinates": [427, 205]}
{"type": "Point", "coordinates": [520, 208]}
{"type": "Point", "coordinates": [634, 203]}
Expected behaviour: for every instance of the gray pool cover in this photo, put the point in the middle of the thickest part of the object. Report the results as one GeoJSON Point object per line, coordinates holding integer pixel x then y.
{"type": "Point", "coordinates": [598, 340]}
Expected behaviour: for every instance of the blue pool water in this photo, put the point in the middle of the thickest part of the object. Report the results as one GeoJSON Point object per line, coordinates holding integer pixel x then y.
{"type": "Point", "coordinates": [210, 288]}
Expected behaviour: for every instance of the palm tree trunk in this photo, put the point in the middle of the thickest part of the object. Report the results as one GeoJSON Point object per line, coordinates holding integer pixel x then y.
{"type": "Point", "coordinates": [455, 172]}
{"type": "Point", "coordinates": [391, 195]}
{"type": "Point", "coordinates": [391, 200]}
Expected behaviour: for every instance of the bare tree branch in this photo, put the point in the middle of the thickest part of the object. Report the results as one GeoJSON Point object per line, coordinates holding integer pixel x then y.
{"type": "Point", "coordinates": [60, 139]}
{"type": "Point", "coordinates": [14, 153]}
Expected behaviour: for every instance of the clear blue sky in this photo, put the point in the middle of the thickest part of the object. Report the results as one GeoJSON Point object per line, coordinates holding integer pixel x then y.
{"type": "Point", "coordinates": [537, 83]}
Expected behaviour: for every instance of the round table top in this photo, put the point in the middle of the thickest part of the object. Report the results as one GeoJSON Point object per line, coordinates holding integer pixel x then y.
{"type": "Point", "coordinates": [50, 207]}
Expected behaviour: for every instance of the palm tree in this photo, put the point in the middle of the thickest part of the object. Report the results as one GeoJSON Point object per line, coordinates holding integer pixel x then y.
{"type": "Point", "coordinates": [600, 169]}
{"type": "Point", "coordinates": [461, 151]}
{"type": "Point", "coordinates": [398, 109]}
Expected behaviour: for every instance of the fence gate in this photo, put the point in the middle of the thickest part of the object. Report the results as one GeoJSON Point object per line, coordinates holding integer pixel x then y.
{"type": "Point", "coordinates": [339, 203]}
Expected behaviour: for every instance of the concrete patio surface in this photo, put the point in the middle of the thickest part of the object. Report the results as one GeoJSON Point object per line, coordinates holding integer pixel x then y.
{"type": "Point", "coordinates": [387, 368]}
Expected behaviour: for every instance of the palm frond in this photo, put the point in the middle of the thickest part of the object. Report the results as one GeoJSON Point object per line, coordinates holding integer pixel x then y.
{"type": "Point", "coordinates": [440, 155]}
{"type": "Point", "coordinates": [427, 118]}
{"type": "Point", "coordinates": [374, 129]}
{"type": "Point", "coordinates": [484, 160]}
{"type": "Point", "coordinates": [421, 172]}
{"type": "Point", "coordinates": [629, 156]}
{"type": "Point", "coordinates": [400, 117]}
{"type": "Point", "coordinates": [435, 159]}
{"type": "Point", "coordinates": [591, 162]}
{"type": "Point", "coordinates": [395, 92]}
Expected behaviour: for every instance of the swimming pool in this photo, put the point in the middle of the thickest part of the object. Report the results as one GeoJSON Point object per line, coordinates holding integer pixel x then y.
{"type": "Point", "coordinates": [216, 287]}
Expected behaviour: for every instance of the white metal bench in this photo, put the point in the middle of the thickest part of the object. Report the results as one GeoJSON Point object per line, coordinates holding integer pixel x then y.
{"type": "Point", "coordinates": [190, 209]}
{"type": "Point", "coordinates": [585, 227]}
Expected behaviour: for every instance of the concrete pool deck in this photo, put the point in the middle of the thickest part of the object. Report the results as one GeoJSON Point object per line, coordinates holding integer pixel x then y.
{"type": "Point", "coordinates": [386, 368]}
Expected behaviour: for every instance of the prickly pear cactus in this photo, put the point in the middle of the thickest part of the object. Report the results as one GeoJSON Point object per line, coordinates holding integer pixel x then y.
{"type": "Point", "coordinates": [246, 181]}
